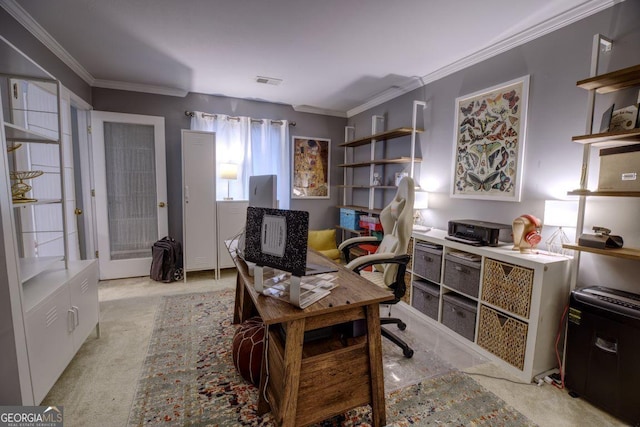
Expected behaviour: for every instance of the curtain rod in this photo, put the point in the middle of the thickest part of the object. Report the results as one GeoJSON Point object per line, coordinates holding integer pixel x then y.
{"type": "Point", "coordinates": [277, 122]}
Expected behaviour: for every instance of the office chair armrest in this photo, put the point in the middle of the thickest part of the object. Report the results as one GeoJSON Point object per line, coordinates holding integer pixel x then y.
{"type": "Point", "coordinates": [364, 261]}
{"type": "Point", "coordinates": [346, 246]}
{"type": "Point", "coordinates": [398, 286]}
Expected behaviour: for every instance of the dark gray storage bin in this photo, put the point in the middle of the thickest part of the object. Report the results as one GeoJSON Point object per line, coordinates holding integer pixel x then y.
{"type": "Point", "coordinates": [427, 262]}
{"type": "Point", "coordinates": [459, 314]}
{"type": "Point", "coordinates": [426, 296]}
{"type": "Point", "coordinates": [462, 275]}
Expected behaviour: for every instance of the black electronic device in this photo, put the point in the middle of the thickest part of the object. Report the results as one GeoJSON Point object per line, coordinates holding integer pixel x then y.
{"type": "Point", "coordinates": [478, 233]}
{"type": "Point", "coordinates": [603, 347]}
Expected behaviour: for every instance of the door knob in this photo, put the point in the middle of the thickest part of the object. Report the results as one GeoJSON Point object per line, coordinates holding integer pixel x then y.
{"type": "Point", "coordinates": [162, 204]}
{"type": "Point", "coordinates": [78, 211]}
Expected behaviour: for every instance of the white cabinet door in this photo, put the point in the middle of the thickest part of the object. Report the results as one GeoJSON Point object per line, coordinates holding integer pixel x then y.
{"type": "Point", "coordinates": [232, 216]}
{"type": "Point", "coordinates": [83, 291]}
{"type": "Point", "coordinates": [49, 332]}
{"type": "Point", "coordinates": [199, 242]}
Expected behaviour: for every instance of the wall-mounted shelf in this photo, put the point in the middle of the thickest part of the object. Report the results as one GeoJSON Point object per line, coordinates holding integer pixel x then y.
{"type": "Point", "coordinates": [606, 139]}
{"type": "Point", "coordinates": [610, 82]}
{"type": "Point", "coordinates": [382, 136]}
{"type": "Point", "coordinates": [604, 193]}
{"type": "Point", "coordinates": [396, 161]}
{"type": "Point", "coordinates": [360, 209]}
{"type": "Point", "coordinates": [626, 253]}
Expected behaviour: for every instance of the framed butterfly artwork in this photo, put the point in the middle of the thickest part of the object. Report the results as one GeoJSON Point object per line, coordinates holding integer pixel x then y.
{"type": "Point", "coordinates": [488, 152]}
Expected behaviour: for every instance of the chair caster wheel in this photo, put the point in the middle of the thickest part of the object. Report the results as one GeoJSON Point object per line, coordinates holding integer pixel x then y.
{"type": "Point", "coordinates": [402, 326]}
{"type": "Point", "coordinates": [408, 353]}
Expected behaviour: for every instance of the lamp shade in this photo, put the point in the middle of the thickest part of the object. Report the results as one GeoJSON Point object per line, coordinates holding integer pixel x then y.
{"type": "Point", "coordinates": [560, 213]}
{"type": "Point", "coordinates": [421, 200]}
{"type": "Point", "coordinates": [228, 171]}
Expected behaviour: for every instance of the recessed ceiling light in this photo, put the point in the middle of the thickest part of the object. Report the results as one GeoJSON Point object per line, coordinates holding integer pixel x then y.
{"type": "Point", "coordinates": [268, 80]}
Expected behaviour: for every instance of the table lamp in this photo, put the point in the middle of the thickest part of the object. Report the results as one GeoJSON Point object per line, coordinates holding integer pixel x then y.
{"type": "Point", "coordinates": [421, 202]}
{"type": "Point", "coordinates": [559, 213]}
{"type": "Point", "coordinates": [228, 171]}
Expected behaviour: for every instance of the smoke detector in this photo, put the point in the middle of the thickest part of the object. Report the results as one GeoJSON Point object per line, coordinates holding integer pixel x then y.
{"type": "Point", "coordinates": [268, 80]}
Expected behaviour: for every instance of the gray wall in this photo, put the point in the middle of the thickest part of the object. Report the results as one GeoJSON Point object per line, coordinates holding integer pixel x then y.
{"type": "Point", "coordinates": [23, 40]}
{"type": "Point", "coordinates": [323, 213]}
{"type": "Point", "coordinates": [557, 111]}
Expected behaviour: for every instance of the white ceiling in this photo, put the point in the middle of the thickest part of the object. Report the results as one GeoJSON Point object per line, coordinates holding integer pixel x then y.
{"type": "Point", "coordinates": [334, 56]}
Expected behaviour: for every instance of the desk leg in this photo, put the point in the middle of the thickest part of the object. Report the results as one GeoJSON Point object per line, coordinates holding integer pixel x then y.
{"type": "Point", "coordinates": [263, 405]}
{"type": "Point", "coordinates": [292, 364]}
{"type": "Point", "coordinates": [243, 307]}
{"type": "Point", "coordinates": [378, 410]}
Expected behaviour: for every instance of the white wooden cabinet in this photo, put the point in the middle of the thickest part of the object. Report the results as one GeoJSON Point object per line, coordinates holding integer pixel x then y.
{"type": "Point", "coordinates": [199, 241]}
{"type": "Point", "coordinates": [517, 319]}
{"type": "Point", "coordinates": [49, 305]}
{"type": "Point", "coordinates": [232, 216]}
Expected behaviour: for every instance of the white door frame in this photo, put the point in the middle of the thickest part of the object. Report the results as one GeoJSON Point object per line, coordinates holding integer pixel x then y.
{"type": "Point", "coordinates": [129, 267]}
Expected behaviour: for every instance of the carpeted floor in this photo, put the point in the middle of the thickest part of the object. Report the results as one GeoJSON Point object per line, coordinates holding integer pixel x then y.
{"type": "Point", "coordinates": [188, 378]}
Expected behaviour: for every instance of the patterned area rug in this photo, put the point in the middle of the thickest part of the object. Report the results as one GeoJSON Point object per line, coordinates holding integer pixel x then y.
{"type": "Point", "coordinates": [188, 379]}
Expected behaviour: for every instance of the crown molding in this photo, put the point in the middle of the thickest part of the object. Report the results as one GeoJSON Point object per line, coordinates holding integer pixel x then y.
{"type": "Point", "coordinates": [562, 20]}
{"type": "Point", "coordinates": [387, 95]}
{"type": "Point", "coordinates": [30, 24]}
{"type": "Point", "coordinates": [315, 110]}
{"type": "Point", "coordinates": [139, 87]}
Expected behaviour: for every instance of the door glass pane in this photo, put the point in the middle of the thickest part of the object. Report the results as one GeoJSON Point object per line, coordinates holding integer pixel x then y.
{"type": "Point", "coordinates": [131, 189]}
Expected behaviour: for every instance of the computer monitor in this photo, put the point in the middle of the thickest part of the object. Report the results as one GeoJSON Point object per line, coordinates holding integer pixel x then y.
{"type": "Point", "coordinates": [263, 191]}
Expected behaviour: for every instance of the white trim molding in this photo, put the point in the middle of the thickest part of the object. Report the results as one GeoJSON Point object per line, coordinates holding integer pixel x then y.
{"type": "Point", "coordinates": [562, 20]}
{"type": "Point", "coordinates": [140, 87]}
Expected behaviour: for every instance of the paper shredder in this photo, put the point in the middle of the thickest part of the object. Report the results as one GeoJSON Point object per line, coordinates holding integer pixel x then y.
{"type": "Point", "coordinates": [603, 350]}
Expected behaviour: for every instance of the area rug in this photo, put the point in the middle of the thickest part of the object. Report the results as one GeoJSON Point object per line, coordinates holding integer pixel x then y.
{"type": "Point", "coordinates": [188, 379]}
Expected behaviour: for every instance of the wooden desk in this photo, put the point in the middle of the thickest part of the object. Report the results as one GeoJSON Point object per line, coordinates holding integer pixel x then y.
{"type": "Point", "coordinates": [310, 382]}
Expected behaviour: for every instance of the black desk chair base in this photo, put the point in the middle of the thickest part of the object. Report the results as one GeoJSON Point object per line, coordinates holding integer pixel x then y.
{"type": "Point", "coordinates": [406, 350]}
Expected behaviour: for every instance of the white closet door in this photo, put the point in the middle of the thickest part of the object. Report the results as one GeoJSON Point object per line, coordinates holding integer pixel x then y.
{"type": "Point", "coordinates": [199, 242]}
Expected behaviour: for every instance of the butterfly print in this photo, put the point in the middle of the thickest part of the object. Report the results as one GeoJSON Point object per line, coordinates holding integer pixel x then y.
{"type": "Point", "coordinates": [512, 98]}
{"type": "Point", "coordinates": [510, 133]}
{"type": "Point", "coordinates": [513, 120]}
{"type": "Point", "coordinates": [471, 121]}
{"type": "Point", "coordinates": [504, 184]}
{"type": "Point", "coordinates": [482, 184]}
{"type": "Point", "coordinates": [486, 149]}
{"type": "Point", "coordinates": [480, 110]}
{"type": "Point", "coordinates": [467, 110]}
{"type": "Point", "coordinates": [495, 100]}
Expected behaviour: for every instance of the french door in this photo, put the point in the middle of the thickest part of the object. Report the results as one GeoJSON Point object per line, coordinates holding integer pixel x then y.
{"type": "Point", "coordinates": [130, 191]}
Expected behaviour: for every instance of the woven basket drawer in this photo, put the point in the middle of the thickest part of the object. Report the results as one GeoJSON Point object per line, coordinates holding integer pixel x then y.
{"type": "Point", "coordinates": [426, 297]}
{"type": "Point", "coordinates": [459, 314]}
{"type": "Point", "coordinates": [462, 275]}
{"type": "Point", "coordinates": [507, 286]}
{"type": "Point", "coordinates": [427, 262]}
{"type": "Point", "coordinates": [503, 336]}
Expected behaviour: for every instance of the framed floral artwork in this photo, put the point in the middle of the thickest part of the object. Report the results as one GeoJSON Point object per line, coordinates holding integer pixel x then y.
{"type": "Point", "coordinates": [489, 142]}
{"type": "Point", "coordinates": [311, 166]}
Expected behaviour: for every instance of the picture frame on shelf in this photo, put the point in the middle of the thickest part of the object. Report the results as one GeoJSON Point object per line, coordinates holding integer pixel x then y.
{"type": "Point", "coordinates": [311, 167]}
{"type": "Point", "coordinates": [489, 142]}
{"type": "Point", "coordinates": [606, 119]}
{"type": "Point", "coordinates": [625, 118]}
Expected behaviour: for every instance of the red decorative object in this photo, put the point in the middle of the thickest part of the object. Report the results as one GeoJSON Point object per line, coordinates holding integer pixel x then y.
{"type": "Point", "coordinates": [248, 344]}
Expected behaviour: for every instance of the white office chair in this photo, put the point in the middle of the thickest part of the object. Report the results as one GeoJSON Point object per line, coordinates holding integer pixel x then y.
{"type": "Point", "coordinates": [390, 259]}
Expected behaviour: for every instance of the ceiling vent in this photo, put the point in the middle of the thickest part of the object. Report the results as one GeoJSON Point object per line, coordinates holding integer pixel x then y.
{"type": "Point", "coordinates": [268, 80]}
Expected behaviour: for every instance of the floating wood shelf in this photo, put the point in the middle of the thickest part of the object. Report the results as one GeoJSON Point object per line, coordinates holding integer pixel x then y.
{"type": "Point", "coordinates": [397, 161]}
{"type": "Point", "coordinates": [17, 133]}
{"type": "Point", "coordinates": [627, 137]}
{"type": "Point", "coordinates": [604, 193]}
{"type": "Point", "coordinates": [382, 136]}
{"type": "Point", "coordinates": [610, 82]}
{"type": "Point", "coordinates": [626, 253]}
{"type": "Point", "coordinates": [360, 208]}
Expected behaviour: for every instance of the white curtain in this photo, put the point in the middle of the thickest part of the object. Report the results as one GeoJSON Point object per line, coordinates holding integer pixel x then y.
{"type": "Point", "coordinates": [258, 147]}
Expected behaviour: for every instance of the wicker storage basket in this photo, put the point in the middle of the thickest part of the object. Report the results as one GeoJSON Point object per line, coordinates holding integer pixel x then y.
{"type": "Point", "coordinates": [507, 286]}
{"type": "Point", "coordinates": [503, 336]}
